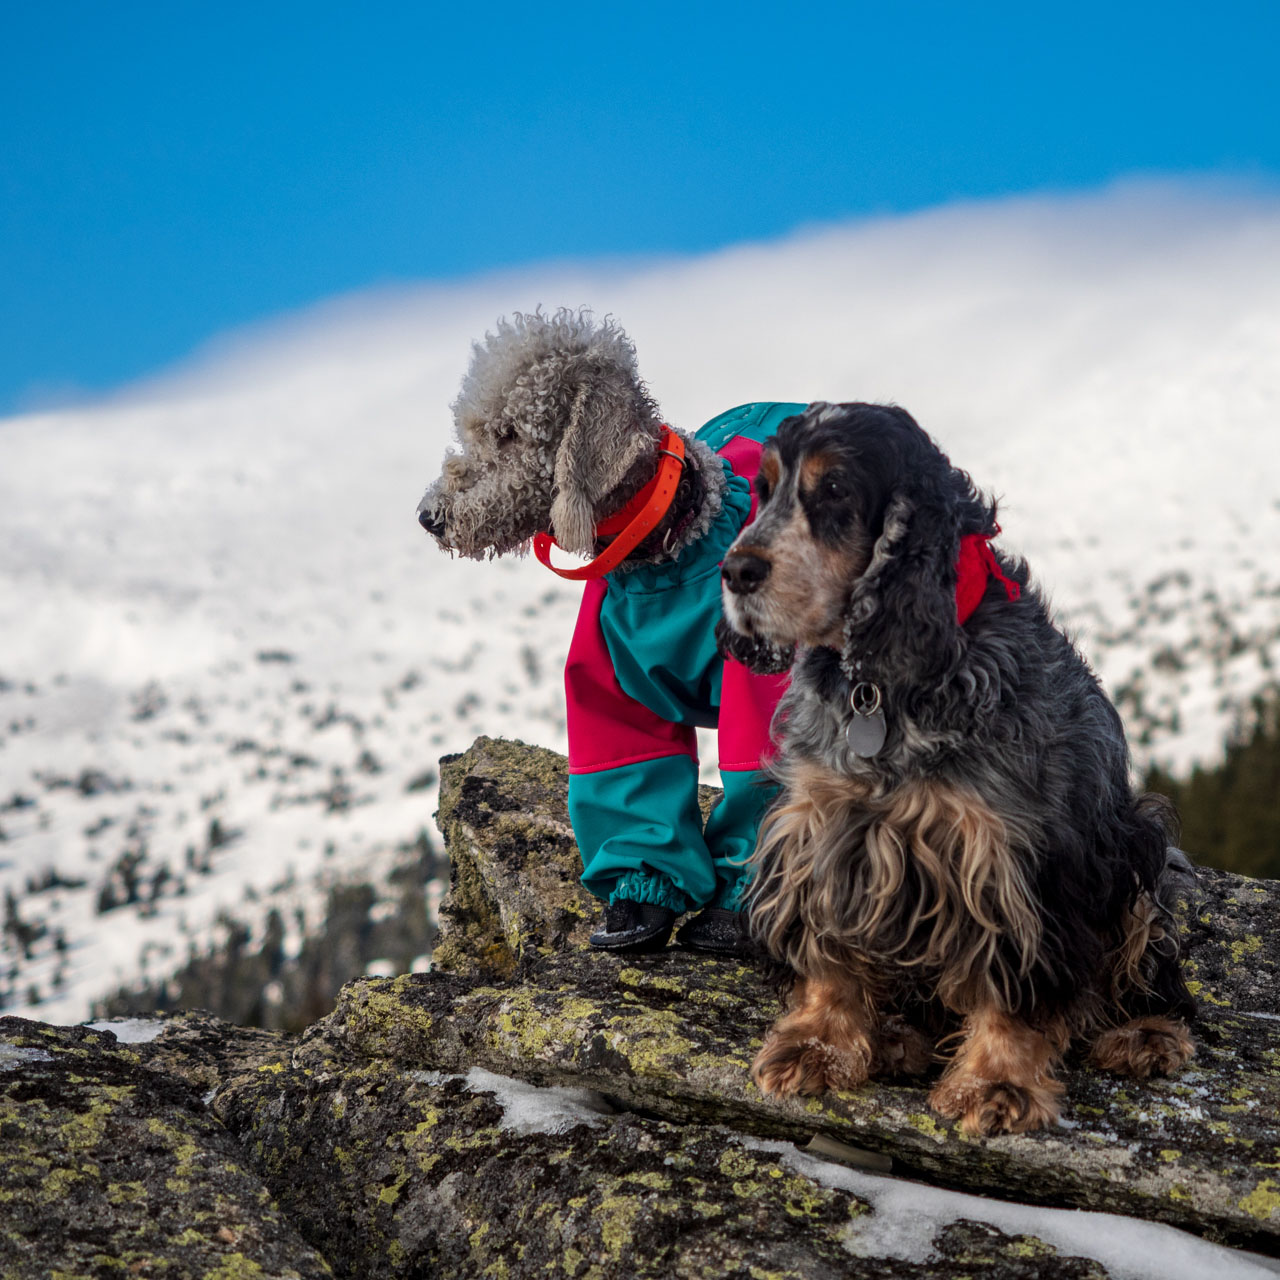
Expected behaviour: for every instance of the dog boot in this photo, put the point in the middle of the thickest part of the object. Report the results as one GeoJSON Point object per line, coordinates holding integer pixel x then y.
{"type": "Point", "coordinates": [717, 930]}
{"type": "Point", "coordinates": [633, 927]}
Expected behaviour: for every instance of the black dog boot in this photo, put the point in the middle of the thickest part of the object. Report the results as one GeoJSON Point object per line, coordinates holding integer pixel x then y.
{"type": "Point", "coordinates": [717, 930]}
{"type": "Point", "coordinates": [633, 927]}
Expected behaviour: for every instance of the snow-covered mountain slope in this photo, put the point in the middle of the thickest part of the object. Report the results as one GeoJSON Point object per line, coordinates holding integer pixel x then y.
{"type": "Point", "coordinates": [230, 659]}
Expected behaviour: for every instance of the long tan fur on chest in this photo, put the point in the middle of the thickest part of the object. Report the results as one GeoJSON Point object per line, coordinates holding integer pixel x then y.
{"type": "Point", "coordinates": [925, 876]}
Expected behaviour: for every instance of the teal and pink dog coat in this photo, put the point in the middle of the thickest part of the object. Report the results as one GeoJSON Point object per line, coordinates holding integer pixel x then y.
{"type": "Point", "coordinates": [643, 672]}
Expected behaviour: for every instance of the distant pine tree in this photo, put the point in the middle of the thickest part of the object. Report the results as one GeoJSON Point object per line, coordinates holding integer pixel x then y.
{"type": "Point", "coordinates": [261, 986]}
{"type": "Point", "coordinates": [1231, 812]}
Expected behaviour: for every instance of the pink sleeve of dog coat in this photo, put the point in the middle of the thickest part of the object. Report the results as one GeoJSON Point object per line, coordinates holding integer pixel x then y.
{"type": "Point", "coordinates": [747, 701]}
{"type": "Point", "coordinates": [607, 727]}
{"type": "Point", "coordinates": [747, 704]}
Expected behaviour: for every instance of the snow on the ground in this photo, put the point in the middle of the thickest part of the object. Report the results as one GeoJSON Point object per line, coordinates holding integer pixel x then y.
{"type": "Point", "coordinates": [908, 1215]}
{"type": "Point", "coordinates": [533, 1108]}
{"type": "Point", "coordinates": [131, 1030]}
{"type": "Point", "coordinates": [230, 659]}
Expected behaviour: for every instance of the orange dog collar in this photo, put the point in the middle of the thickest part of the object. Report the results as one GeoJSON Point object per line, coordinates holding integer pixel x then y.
{"type": "Point", "coordinates": [633, 523]}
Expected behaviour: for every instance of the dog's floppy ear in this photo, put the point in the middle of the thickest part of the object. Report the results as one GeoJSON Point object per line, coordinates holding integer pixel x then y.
{"type": "Point", "coordinates": [902, 611]}
{"type": "Point", "coordinates": [602, 442]}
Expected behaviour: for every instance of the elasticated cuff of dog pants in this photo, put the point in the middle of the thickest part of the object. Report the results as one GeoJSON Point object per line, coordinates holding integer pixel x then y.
{"type": "Point", "coordinates": [656, 890]}
{"type": "Point", "coordinates": [732, 897]}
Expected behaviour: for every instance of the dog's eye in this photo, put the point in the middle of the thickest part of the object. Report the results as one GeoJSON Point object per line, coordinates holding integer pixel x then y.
{"type": "Point", "coordinates": [834, 488]}
{"type": "Point", "coordinates": [762, 489]}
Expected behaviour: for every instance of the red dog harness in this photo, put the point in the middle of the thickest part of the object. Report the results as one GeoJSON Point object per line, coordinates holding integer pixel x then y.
{"type": "Point", "coordinates": [976, 565]}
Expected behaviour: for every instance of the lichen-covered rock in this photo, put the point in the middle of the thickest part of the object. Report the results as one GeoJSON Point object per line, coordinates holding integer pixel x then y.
{"type": "Point", "coordinates": [397, 1172]}
{"type": "Point", "coordinates": [109, 1169]}
{"type": "Point", "coordinates": [1232, 943]}
{"type": "Point", "coordinates": [198, 1047]}
{"type": "Point", "coordinates": [675, 1034]}
{"type": "Point", "coordinates": [513, 893]}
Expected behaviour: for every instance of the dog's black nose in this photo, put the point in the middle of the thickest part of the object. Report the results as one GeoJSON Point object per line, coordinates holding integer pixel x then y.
{"type": "Point", "coordinates": [744, 572]}
{"type": "Point", "coordinates": [433, 524]}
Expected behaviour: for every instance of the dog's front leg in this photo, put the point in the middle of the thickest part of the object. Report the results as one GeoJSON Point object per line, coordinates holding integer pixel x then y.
{"type": "Point", "coordinates": [1001, 1078]}
{"type": "Point", "coordinates": [824, 1041]}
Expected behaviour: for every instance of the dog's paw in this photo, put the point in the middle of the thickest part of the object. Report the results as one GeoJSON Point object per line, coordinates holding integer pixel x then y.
{"type": "Point", "coordinates": [952, 1096]}
{"type": "Point", "coordinates": [1145, 1047]}
{"type": "Point", "coordinates": [986, 1108]}
{"type": "Point", "coordinates": [901, 1049]}
{"type": "Point", "coordinates": [787, 1066]}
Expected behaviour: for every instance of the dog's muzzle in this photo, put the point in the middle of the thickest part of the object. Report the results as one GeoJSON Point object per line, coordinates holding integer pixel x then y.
{"type": "Point", "coordinates": [744, 572]}
{"type": "Point", "coordinates": [432, 523]}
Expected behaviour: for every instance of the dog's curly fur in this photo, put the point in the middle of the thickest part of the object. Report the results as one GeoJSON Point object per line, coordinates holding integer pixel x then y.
{"type": "Point", "coordinates": [557, 431]}
{"type": "Point", "coordinates": [990, 865]}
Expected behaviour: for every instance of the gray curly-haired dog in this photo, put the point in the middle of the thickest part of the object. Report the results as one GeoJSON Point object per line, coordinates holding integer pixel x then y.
{"type": "Point", "coordinates": [559, 437]}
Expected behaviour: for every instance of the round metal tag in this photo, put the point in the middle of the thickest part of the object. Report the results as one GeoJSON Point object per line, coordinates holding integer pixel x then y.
{"type": "Point", "coordinates": [866, 734]}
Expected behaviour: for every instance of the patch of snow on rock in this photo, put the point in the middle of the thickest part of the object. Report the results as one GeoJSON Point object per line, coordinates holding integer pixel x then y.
{"type": "Point", "coordinates": [12, 1054]}
{"type": "Point", "coordinates": [130, 1030]}
{"type": "Point", "coordinates": [908, 1215]}
{"type": "Point", "coordinates": [531, 1108]}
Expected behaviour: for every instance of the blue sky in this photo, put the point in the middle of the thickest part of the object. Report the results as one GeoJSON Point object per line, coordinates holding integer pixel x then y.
{"type": "Point", "coordinates": [171, 171]}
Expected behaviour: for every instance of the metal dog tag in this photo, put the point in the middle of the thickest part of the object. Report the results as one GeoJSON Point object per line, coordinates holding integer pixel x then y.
{"type": "Point", "coordinates": [866, 734]}
{"type": "Point", "coordinates": [867, 730]}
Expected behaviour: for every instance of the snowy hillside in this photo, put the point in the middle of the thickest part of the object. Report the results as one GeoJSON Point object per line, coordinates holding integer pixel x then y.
{"type": "Point", "coordinates": [230, 659]}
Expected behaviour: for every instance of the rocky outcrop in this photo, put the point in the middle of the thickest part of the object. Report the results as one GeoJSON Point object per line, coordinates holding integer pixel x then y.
{"type": "Point", "coordinates": [109, 1169]}
{"type": "Point", "coordinates": [434, 1174]}
{"type": "Point", "coordinates": [531, 1107]}
{"type": "Point", "coordinates": [675, 1034]}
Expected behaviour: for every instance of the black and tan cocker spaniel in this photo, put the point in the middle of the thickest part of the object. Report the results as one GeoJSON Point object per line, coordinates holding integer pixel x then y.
{"type": "Point", "coordinates": [957, 846]}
